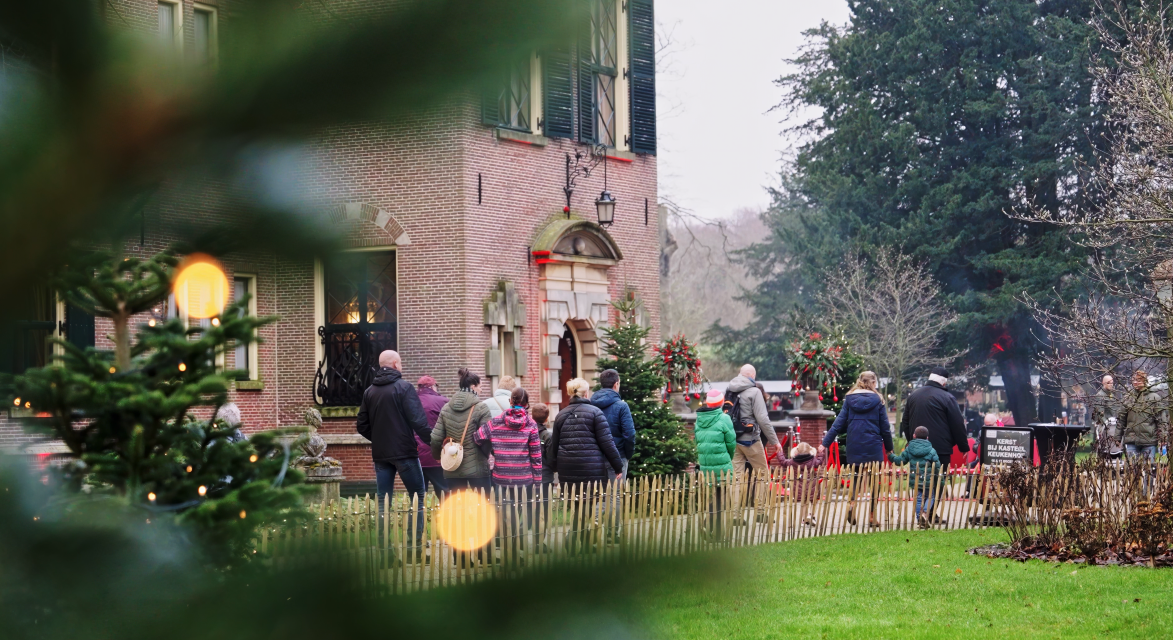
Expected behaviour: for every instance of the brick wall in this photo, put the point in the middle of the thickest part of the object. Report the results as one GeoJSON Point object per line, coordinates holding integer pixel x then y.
{"type": "Point", "coordinates": [423, 170]}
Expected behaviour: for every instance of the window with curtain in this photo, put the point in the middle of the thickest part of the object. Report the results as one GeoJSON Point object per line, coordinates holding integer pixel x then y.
{"type": "Point", "coordinates": [169, 25]}
{"type": "Point", "coordinates": [204, 31]}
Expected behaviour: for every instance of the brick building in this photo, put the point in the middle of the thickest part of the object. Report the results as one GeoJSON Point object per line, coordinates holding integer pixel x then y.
{"type": "Point", "coordinates": [463, 247]}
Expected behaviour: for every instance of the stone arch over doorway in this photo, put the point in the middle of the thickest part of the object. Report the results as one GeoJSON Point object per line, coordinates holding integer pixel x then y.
{"type": "Point", "coordinates": [370, 226]}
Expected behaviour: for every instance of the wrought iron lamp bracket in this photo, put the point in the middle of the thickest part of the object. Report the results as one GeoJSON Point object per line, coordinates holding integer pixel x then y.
{"type": "Point", "coordinates": [580, 165]}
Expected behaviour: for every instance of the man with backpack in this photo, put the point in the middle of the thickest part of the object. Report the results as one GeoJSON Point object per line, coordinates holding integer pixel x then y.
{"type": "Point", "coordinates": [751, 421]}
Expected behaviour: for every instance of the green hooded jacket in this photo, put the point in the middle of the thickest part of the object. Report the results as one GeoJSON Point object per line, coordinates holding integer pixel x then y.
{"type": "Point", "coordinates": [919, 455]}
{"type": "Point", "coordinates": [715, 440]}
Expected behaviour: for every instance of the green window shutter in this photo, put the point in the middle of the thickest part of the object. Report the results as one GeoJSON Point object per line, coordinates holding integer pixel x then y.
{"type": "Point", "coordinates": [491, 104]}
{"type": "Point", "coordinates": [557, 93]}
{"type": "Point", "coordinates": [79, 327]}
{"type": "Point", "coordinates": [642, 47]}
{"type": "Point", "coordinates": [586, 73]}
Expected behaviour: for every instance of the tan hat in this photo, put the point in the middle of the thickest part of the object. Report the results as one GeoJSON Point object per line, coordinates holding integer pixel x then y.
{"type": "Point", "coordinates": [802, 449]}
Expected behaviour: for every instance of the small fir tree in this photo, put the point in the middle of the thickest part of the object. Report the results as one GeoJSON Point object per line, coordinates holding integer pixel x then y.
{"type": "Point", "coordinates": [661, 443]}
{"type": "Point", "coordinates": [148, 423]}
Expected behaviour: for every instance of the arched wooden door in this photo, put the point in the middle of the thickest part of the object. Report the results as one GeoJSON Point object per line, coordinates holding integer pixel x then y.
{"type": "Point", "coordinates": [568, 352]}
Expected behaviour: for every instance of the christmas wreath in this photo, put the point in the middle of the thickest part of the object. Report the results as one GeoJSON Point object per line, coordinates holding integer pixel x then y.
{"type": "Point", "coordinates": [680, 365]}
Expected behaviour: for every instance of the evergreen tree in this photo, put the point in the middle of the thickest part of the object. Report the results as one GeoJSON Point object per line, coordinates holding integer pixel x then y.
{"type": "Point", "coordinates": [936, 120]}
{"type": "Point", "coordinates": [147, 422]}
{"type": "Point", "coordinates": [661, 444]}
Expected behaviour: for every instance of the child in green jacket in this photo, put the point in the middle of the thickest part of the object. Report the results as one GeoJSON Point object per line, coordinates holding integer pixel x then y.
{"type": "Point", "coordinates": [715, 440]}
{"type": "Point", "coordinates": [715, 444]}
{"type": "Point", "coordinates": [922, 463]}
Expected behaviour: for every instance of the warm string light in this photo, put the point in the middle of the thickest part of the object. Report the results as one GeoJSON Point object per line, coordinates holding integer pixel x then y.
{"type": "Point", "coordinates": [182, 367]}
{"type": "Point", "coordinates": [151, 322]}
{"type": "Point", "coordinates": [242, 514]}
{"type": "Point", "coordinates": [215, 322]}
{"type": "Point", "coordinates": [113, 369]}
{"type": "Point", "coordinates": [16, 402]}
{"type": "Point", "coordinates": [202, 490]}
{"type": "Point", "coordinates": [28, 405]}
{"type": "Point", "coordinates": [151, 496]}
{"type": "Point", "coordinates": [189, 468]}
{"type": "Point", "coordinates": [252, 458]}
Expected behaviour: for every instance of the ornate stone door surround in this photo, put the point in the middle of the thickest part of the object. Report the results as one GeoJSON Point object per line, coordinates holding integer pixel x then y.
{"type": "Point", "coordinates": [574, 292]}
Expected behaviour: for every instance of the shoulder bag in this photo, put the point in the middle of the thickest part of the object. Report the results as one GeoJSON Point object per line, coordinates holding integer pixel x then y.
{"type": "Point", "coordinates": [452, 453]}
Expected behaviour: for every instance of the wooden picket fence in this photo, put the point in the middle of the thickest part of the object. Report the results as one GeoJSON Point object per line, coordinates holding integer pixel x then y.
{"type": "Point", "coordinates": [640, 518]}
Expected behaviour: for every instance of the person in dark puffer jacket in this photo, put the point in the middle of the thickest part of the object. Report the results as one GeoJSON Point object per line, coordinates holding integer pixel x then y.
{"type": "Point", "coordinates": [581, 446]}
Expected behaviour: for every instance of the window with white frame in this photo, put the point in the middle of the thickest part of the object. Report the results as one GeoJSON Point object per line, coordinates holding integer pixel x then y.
{"type": "Point", "coordinates": [171, 25]}
{"type": "Point", "coordinates": [204, 29]}
{"type": "Point", "coordinates": [246, 354]}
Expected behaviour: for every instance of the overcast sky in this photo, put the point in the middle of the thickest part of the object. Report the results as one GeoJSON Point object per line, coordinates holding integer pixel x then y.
{"type": "Point", "coordinates": [719, 145]}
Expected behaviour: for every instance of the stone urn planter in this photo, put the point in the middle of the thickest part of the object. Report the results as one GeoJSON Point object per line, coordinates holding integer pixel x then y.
{"type": "Point", "coordinates": [320, 470]}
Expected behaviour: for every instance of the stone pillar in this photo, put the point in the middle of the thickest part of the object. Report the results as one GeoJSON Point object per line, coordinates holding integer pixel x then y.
{"type": "Point", "coordinates": [812, 419]}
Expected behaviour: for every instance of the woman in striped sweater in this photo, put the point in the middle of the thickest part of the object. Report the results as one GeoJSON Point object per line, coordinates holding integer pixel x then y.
{"type": "Point", "coordinates": [512, 438]}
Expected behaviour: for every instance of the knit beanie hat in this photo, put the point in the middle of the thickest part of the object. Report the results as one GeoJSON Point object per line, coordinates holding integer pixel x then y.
{"type": "Point", "coordinates": [714, 398]}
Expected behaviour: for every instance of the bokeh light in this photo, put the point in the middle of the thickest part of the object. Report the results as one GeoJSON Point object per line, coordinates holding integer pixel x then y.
{"type": "Point", "coordinates": [466, 520]}
{"type": "Point", "coordinates": [200, 287]}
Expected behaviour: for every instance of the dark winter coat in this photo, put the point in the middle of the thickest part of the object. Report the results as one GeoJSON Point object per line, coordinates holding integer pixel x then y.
{"type": "Point", "coordinates": [581, 447]}
{"type": "Point", "coordinates": [451, 423]}
{"type": "Point", "coordinates": [1143, 416]}
{"type": "Point", "coordinates": [390, 416]}
{"type": "Point", "coordinates": [864, 419]}
{"type": "Point", "coordinates": [618, 415]}
{"type": "Point", "coordinates": [715, 440]}
{"type": "Point", "coordinates": [920, 456]}
{"type": "Point", "coordinates": [933, 407]}
{"type": "Point", "coordinates": [433, 402]}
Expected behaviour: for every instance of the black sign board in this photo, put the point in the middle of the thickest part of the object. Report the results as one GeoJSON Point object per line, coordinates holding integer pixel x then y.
{"type": "Point", "coordinates": [1005, 445]}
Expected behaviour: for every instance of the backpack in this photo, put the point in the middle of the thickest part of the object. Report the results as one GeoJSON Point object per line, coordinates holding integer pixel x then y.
{"type": "Point", "coordinates": [732, 408]}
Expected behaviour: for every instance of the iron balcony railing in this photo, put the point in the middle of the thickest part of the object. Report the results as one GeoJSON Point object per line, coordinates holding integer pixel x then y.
{"type": "Point", "coordinates": [351, 361]}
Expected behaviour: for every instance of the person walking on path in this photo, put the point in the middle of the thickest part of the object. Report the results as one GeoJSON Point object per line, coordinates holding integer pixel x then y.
{"type": "Point", "coordinates": [715, 446]}
{"type": "Point", "coordinates": [460, 419]}
{"type": "Point", "coordinates": [513, 441]}
{"type": "Point", "coordinates": [433, 403]}
{"type": "Point", "coordinates": [1143, 419]}
{"type": "Point", "coordinates": [582, 451]}
{"type": "Point", "coordinates": [499, 402]}
{"type": "Point", "coordinates": [390, 415]}
{"type": "Point", "coordinates": [922, 461]}
{"type": "Point", "coordinates": [806, 462]}
{"type": "Point", "coordinates": [618, 415]}
{"type": "Point", "coordinates": [933, 407]}
{"type": "Point", "coordinates": [864, 419]}
{"type": "Point", "coordinates": [1106, 414]}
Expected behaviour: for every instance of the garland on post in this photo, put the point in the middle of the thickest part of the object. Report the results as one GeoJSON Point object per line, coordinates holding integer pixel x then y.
{"type": "Point", "coordinates": [814, 365]}
{"type": "Point", "coordinates": [680, 365]}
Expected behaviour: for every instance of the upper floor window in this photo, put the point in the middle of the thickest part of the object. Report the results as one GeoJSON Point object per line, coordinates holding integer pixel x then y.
{"type": "Point", "coordinates": [170, 25]}
{"type": "Point", "coordinates": [598, 73]}
{"type": "Point", "coordinates": [510, 102]}
{"type": "Point", "coordinates": [205, 34]}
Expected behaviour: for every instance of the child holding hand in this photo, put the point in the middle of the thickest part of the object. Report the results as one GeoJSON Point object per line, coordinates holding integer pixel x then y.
{"type": "Point", "coordinates": [922, 463]}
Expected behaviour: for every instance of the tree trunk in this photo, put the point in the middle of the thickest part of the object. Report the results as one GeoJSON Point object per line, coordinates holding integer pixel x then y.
{"type": "Point", "coordinates": [899, 384]}
{"type": "Point", "coordinates": [121, 341]}
{"type": "Point", "coordinates": [1019, 395]}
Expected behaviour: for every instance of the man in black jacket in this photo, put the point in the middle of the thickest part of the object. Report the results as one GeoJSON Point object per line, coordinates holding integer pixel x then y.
{"type": "Point", "coordinates": [932, 406]}
{"type": "Point", "coordinates": [390, 412]}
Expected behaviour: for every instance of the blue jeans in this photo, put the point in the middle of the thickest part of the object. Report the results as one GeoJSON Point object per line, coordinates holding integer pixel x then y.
{"type": "Point", "coordinates": [412, 474]}
{"type": "Point", "coordinates": [1141, 450]}
{"type": "Point", "coordinates": [924, 500]}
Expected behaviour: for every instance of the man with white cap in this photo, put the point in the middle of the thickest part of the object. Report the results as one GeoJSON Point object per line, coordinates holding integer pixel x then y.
{"type": "Point", "coordinates": [934, 407]}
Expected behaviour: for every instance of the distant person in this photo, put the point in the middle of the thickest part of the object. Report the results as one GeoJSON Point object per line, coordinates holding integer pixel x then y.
{"type": "Point", "coordinates": [933, 407]}
{"type": "Point", "coordinates": [864, 419]}
{"type": "Point", "coordinates": [498, 403]}
{"type": "Point", "coordinates": [715, 446]}
{"type": "Point", "coordinates": [756, 422]}
{"type": "Point", "coordinates": [389, 414]}
{"type": "Point", "coordinates": [922, 461]}
{"type": "Point", "coordinates": [618, 415]}
{"type": "Point", "coordinates": [806, 462]}
{"type": "Point", "coordinates": [433, 403]}
{"type": "Point", "coordinates": [1106, 414]}
{"type": "Point", "coordinates": [459, 420]}
{"type": "Point", "coordinates": [1143, 419]}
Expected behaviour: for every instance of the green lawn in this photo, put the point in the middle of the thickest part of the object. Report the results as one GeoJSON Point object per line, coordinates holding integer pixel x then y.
{"type": "Point", "coordinates": [901, 584]}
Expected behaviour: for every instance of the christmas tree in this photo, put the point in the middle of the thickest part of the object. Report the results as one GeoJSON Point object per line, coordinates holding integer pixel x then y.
{"type": "Point", "coordinates": [149, 422]}
{"type": "Point", "coordinates": [661, 444]}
